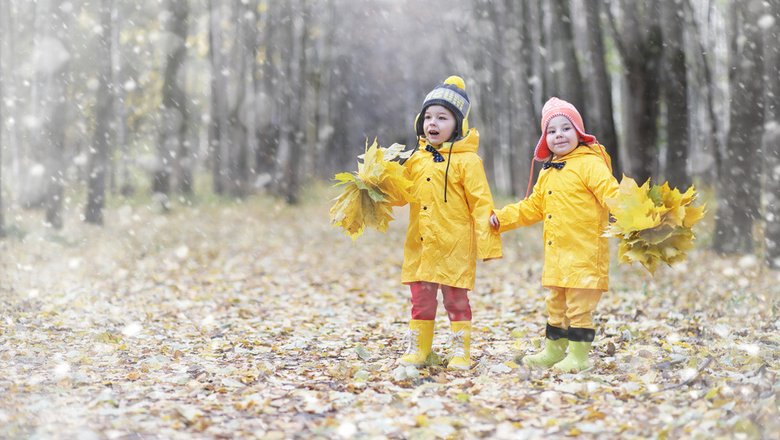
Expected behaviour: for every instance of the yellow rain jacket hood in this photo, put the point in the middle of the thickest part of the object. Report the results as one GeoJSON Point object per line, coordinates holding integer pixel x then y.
{"type": "Point", "coordinates": [571, 202]}
{"type": "Point", "coordinates": [444, 239]}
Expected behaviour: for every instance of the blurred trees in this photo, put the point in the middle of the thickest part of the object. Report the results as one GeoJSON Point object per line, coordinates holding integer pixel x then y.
{"type": "Point", "coordinates": [739, 175]}
{"type": "Point", "coordinates": [172, 146]}
{"type": "Point", "coordinates": [2, 35]}
{"type": "Point", "coordinates": [674, 86]}
{"type": "Point", "coordinates": [637, 36]}
{"type": "Point", "coordinates": [97, 163]}
{"type": "Point", "coordinates": [770, 156]}
{"type": "Point", "coordinates": [51, 28]}
{"type": "Point", "coordinates": [264, 95]}
{"type": "Point", "coordinates": [599, 117]}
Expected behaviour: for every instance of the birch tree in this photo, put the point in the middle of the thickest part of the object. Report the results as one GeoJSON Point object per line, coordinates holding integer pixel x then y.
{"type": "Point", "coordinates": [175, 115]}
{"type": "Point", "coordinates": [54, 108]}
{"type": "Point", "coordinates": [97, 165]}
{"type": "Point", "coordinates": [218, 124]}
{"type": "Point", "coordinates": [120, 112]}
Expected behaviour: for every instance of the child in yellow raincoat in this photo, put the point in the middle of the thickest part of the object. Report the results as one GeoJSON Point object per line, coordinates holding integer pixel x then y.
{"type": "Point", "coordinates": [448, 222]}
{"type": "Point", "coordinates": [569, 197]}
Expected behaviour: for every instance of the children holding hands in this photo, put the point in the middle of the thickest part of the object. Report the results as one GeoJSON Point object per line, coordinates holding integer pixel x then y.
{"type": "Point", "coordinates": [452, 223]}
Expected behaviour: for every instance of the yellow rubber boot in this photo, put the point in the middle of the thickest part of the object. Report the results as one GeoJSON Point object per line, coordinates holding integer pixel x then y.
{"type": "Point", "coordinates": [461, 345]}
{"type": "Point", "coordinates": [418, 342]}
{"type": "Point", "coordinates": [555, 343]}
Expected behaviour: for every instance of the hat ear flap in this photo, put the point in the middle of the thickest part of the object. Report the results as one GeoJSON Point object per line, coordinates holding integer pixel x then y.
{"type": "Point", "coordinates": [464, 127]}
{"type": "Point", "coordinates": [418, 125]}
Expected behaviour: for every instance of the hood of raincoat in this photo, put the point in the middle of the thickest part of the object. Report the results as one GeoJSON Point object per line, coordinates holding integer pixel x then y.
{"type": "Point", "coordinates": [594, 149]}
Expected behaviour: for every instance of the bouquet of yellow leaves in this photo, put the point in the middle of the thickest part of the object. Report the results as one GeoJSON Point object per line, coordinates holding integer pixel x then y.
{"type": "Point", "coordinates": [368, 195]}
{"type": "Point", "coordinates": [653, 223]}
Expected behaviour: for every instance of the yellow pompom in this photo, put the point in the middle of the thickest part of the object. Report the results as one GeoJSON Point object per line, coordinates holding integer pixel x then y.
{"type": "Point", "coordinates": [456, 81]}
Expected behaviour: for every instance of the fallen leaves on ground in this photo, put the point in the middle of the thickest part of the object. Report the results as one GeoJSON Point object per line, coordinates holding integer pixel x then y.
{"type": "Point", "coordinates": [259, 320]}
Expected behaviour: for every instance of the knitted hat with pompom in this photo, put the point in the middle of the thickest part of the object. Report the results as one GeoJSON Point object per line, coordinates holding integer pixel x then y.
{"type": "Point", "coordinates": [558, 107]}
{"type": "Point", "coordinates": [451, 95]}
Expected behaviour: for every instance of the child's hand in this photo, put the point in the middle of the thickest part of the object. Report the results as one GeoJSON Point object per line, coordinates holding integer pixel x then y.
{"type": "Point", "coordinates": [494, 223]}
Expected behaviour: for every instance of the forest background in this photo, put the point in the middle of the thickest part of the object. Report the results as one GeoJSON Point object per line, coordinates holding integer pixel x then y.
{"type": "Point", "coordinates": [163, 175]}
{"type": "Point", "coordinates": [111, 98]}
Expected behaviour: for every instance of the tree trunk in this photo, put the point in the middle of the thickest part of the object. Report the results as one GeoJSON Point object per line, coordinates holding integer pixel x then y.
{"type": "Point", "coordinates": [738, 182]}
{"type": "Point", "coordinates": [55, 110]}
{"type": "Point", "coordinates": [567, 79]}
{"type": "Point", "coordinates": [296, 66]}
{"type": "Point", "coordinates": [496, 124]}
{"type": "Point", "coordinates": [251, 86]}
{"type": "Point", "coordinates": [526, 130]}
{"type": "Point", "coordinates": [268, 141]}
{"type": "Point", "coordinates": [639, 43]}
{"type": "Point", "coordinates": [97, 164]}
{"type": "Point", "coordinates": [713, 129]}
{"type": "Point", "coordinates": [126, 186]}
{"type": "Point", "coordinates": [675, 92]}
{"type": "Point", "coordinates": [181, 146]}
{"type": "Point", "coordinates": [174, 105]}
{"type": "Point", "coordinates": [2, 102]}
{"type": "Point", "coordinates": [12, 110]}
{"type": "Point", "coordinates": [599, 119]}
{"type": "Point", "coordinates": [772, 139]}
{"type": "Point", "coordinates": [218, 122]}
{"type": "Point", "coordinates": [239, 155]}
{"type": "Point", "coordinates": [339, 141]}
{"type": "Point", "coordinates": [12, 106]}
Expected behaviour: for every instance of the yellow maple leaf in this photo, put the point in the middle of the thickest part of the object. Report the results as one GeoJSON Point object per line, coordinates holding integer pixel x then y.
{"type": "Point", "coordinates": [693, 214]}
{"type": "Point", "coordinates": [632, 208]}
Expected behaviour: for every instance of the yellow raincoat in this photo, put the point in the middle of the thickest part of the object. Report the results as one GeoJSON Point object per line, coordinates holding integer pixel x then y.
{"type": "Point", "coordinates": [444, 239]}
{"type": "Point", "coordinates": [571, 203]}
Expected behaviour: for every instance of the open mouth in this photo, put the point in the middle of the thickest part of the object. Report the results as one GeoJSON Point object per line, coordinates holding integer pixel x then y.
{"type": "Point", "coordinates": [433, 132]}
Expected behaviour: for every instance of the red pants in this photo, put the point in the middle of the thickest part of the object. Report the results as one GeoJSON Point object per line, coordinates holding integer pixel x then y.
{"type": "Point", "coordinates": [456, 301]}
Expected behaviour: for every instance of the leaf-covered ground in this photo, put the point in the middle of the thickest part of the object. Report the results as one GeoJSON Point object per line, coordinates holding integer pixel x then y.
{"type": "Point", "coordinates": [259, 320]}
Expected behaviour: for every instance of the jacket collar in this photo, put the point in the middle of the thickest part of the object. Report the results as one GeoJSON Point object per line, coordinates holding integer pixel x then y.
{"type": "Point", "coordinates": [467, 144]}
{"type": "Point", "coordinates": [586, 150]}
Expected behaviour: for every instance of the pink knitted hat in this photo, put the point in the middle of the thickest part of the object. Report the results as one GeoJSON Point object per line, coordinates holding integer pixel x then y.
{"type": "Point", "coordinates": [558, 107]}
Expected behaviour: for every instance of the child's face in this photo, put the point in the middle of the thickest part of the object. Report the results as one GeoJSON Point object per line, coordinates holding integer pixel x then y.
{"type": "Point", "coordinates": [562, 138]}
{"type": "Point", "coordinates": [438, 124]}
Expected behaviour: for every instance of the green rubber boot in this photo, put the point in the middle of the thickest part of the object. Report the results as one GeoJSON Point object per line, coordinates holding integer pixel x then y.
{"type": "Point", "coordinates": [580, 341]}
{"type": "Point", "coordinates": [555, 344]}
